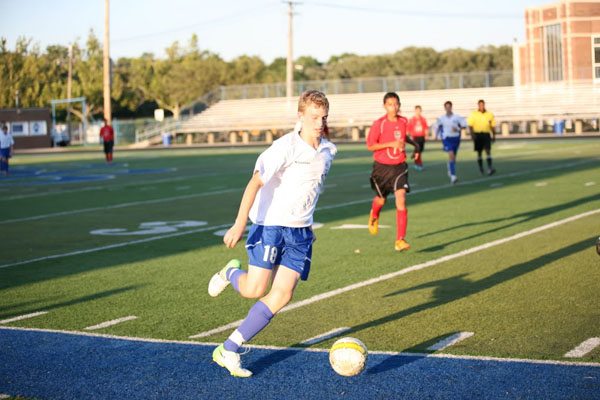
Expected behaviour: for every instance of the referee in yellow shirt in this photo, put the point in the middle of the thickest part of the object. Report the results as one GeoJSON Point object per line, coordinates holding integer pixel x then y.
{"type": "Point", "coordinates": [481, 126]}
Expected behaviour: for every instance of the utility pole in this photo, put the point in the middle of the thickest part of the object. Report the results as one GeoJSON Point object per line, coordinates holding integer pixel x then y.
{"type": "Point", "coordinates": [69, 77]}
{"type": "Point", "coordinates": [107, 110]}
{"type": "Point", "coordinates": [289, 79]}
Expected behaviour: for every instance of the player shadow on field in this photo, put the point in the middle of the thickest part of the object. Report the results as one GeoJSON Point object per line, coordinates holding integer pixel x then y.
{"type": "Point", "coordinates": [25, 303]}
{"type": "Point", "coordinates": [446, 291]}
{"type": "Point", "coordinates": [267, 361]}
{"type": "Point", "coordinates": [521, 218]}
{"type": "Point", "coordinates": [393, 362]}
{"type": "Point", "coordinates": [78, 300]}
{"type": "Point", "coordinates": [458, 287]}
{"type": "Point", "coordinates": [410, 355]}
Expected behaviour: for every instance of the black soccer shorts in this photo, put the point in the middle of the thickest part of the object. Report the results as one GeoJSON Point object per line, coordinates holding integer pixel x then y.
{"type": "Point", "coordinates": [482, 141]}
{"type": "Point", "coordinates": [386, 178]}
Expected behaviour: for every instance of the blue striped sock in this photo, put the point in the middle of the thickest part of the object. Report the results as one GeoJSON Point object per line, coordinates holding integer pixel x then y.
{"type": "Point", "coordinates": [257, 319]}
{"type": "Point", "coordinates": [233, 275]}
{"type": "Point", "coordinates": [452, 167]}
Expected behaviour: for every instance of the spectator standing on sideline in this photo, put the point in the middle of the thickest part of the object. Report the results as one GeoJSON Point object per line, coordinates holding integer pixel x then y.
{"type": "Point", "coordinates": [6, 148]}
{"type": "Point", "coordinates": [108, 137]}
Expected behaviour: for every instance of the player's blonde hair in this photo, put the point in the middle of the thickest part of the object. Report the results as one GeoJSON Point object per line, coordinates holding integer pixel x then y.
{"type": "Point", "coordinates": [312, 97]}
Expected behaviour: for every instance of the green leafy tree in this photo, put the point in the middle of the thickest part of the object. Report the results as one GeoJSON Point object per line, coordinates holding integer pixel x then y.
{"type": "Point", "coordinates": [88, 78]}
{"type": "Point", "coordinates": [184, 76]}
{"type": "Point", "coordinates": [244, 70]}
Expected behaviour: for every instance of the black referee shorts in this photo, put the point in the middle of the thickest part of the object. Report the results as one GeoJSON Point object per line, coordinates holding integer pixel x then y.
{"type": "Point", "coordinates": [386, 179]}
{"type": "Point", "coordinates": [482, 141]}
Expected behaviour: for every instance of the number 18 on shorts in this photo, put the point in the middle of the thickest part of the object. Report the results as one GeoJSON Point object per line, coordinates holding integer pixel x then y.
{"type": "Point", "coordinates": [268, 246]}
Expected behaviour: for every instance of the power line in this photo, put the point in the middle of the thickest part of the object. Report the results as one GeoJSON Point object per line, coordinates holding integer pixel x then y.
{"type": "Point", "coordinates": [415, 13]}
{"type": "Point", "coordinates": [200, 25]}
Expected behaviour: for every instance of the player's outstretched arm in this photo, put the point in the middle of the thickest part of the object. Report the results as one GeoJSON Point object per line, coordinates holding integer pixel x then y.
{"type": "Point", "coordinates": [234, 234]}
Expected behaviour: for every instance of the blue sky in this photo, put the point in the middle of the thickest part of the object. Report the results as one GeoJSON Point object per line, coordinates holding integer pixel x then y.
{"type": "Point", "coordinates": [235, 27]}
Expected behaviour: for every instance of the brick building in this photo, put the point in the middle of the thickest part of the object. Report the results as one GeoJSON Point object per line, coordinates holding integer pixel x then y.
{"type": "Point", "coordinates": [562, 43]}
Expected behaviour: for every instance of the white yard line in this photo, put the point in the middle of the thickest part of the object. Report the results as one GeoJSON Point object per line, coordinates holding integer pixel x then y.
{"type": "Point", "coordinates": [227, 225]}
{"type": "Point", "coordinates": [325, 336]}
{"type": "Point", "coordinates": [301, 349]}
{"type": "Point", "coordinates": [104, 187]}
{"type": "Point", "coordinates": [356, 226]}
{"type": "Point", "coordinates": [417, 267]}
{"type": "Point", "coordinates": [584, 348]}
{"type": "Point", "coordinates": [113, 246]}
{"type": "Point", "coordinates": [180, 178]}
{"type": "Point", "coordinates": [20, 317]}
{"type": "Point", "coordinates": [188, 196]}
{"type": "Point", "coordinates": [110, 323]}
{"type": "Point", "coordinates": [479, 180]}
{"type": "Point", "coordinates": [130, 204]}
{"type": "Point", "coordinates": [450, 341]}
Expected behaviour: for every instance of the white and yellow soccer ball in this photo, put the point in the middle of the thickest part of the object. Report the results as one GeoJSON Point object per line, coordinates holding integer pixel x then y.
{"type": "Point", "coordinates": [348, 356]}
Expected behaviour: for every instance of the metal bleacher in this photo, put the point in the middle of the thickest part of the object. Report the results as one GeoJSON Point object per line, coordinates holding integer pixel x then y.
{"type": "Point", "coordinates": [578, 100]}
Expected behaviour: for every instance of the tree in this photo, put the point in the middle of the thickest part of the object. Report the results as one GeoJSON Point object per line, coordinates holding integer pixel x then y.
{"type": "Point", "coordinates": [308, 68]}
{"type": "Point", "coordinates": [275, 72]}
{"type": "Point", "coordinates": [244, 70]}
{"type": "Point", "coordinates": [187, 73]}
{"type": "Point", "coordinates": [184, 76]}
{"type": "Point", "coordinates": [87, 80]}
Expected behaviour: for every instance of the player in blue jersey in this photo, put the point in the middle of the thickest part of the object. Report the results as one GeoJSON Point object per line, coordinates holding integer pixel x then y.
{"type": "Point", "coordinates": [280, 200]}
{"type": "Point", "coordinates": [449, 127]}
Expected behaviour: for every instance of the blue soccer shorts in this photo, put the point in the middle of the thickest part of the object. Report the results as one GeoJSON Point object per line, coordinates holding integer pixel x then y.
{"type": "Point", "coordinates": [5, 153]}
{"type": "Point", "coordinates": [268, 246]}
{"type": "Point", "coordinates": [451, 144]}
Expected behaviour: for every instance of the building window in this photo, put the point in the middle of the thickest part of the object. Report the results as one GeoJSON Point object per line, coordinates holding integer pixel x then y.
{"type": "Point", "coordinates": [553, 65]}
{"type": "Point", "coordinates": [596, 57]}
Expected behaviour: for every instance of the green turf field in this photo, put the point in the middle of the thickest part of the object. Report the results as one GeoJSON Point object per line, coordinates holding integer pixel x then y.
{"type": "Point", "coordinates": [536, 296]}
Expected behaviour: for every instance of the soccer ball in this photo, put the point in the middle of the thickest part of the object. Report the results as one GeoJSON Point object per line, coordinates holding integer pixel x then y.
{"type": "Point", "coordinates": [348, 356]}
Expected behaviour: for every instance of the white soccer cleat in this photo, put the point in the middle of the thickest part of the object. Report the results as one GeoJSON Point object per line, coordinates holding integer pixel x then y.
{"type": "Point", "coordinates": [453, 179]}
{"type": "Point", "coordinates": [219, 281]}
{"type": "Point", "coordinates": [231, 361]}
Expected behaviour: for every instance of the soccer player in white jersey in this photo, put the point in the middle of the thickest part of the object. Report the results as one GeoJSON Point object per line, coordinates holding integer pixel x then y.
{"type": "Point", "coordinates": [6, 148]}
{"type": "Point", "coordinates": [449, 127]}
{"type": "Point", "coordinates": [280, 200]}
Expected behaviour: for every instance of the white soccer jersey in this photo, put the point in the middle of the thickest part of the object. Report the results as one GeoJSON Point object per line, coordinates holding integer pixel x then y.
{"type": "Point", "coordinates": [445, 125]}
{"type": "Point", "coordinates": [293, 173]}
{"type": "Point", "coordinates": [6, 140]}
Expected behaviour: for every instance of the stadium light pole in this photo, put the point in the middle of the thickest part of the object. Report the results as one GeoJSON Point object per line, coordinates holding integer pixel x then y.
{"type": "Point", "coordinates": [289, 78]}
{"type": "Point", "coordinates": [107, 110]}
{"type": "Point", "coordinates": [69, 77]}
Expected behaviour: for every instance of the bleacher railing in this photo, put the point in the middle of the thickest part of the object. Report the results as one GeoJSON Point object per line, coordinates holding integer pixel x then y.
{"type": "Point", "coordinates": [454, 80]}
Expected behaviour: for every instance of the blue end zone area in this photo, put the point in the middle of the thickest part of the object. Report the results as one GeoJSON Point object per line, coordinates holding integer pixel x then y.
{"type": "Point", "coordinates": [26, 176]}
{"type": "Point", "coordinates": [53, 365]}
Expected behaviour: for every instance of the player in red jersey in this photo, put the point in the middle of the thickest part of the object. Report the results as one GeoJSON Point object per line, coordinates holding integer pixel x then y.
{"type": "Point", "coordinates": [386, 140]}
{"type": "Point", "coordinates": [108, 137]}
{"type": "Point", "coordinates": [417, 129]}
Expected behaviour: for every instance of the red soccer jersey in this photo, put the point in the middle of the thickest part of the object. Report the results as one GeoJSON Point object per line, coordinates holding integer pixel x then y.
{"type": "Point", "coordinates": [417, 126]}
{"type": "Point", "coordinates": [107, 133]}
{"type": "Point", "coordinates": [382, 131]}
